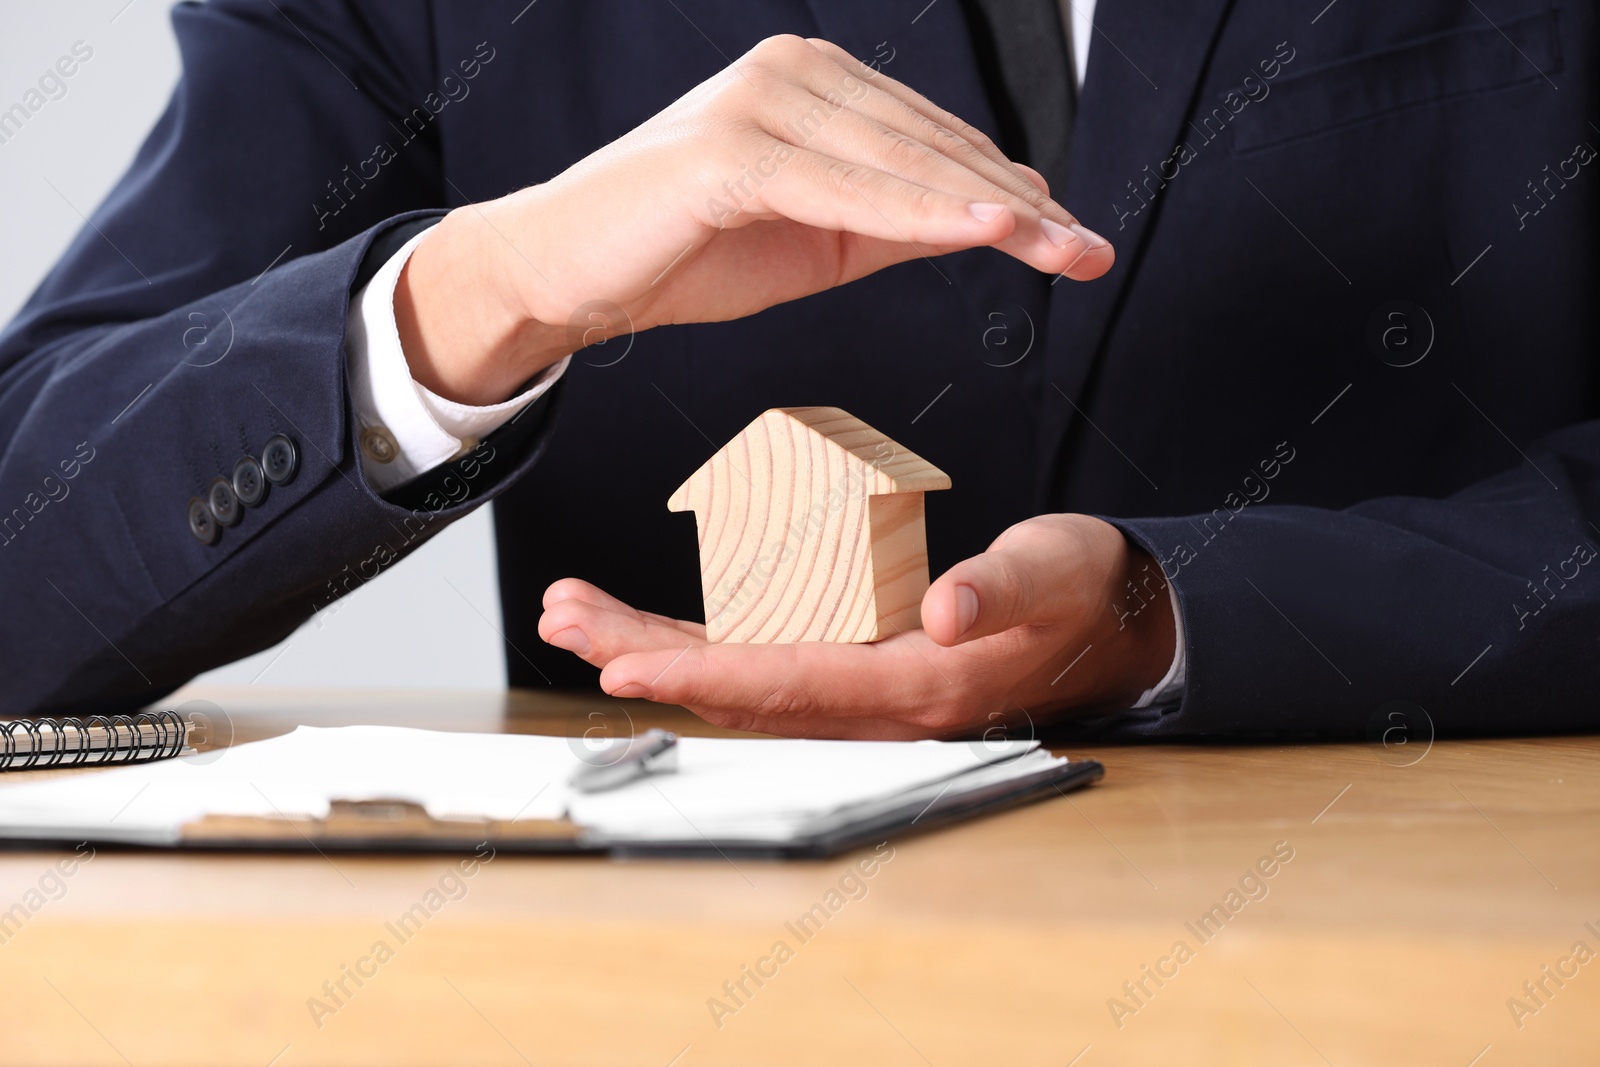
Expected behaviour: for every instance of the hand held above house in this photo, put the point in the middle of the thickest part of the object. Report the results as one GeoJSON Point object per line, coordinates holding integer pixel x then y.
{"type": "Point", "coordinates": [794, 170]}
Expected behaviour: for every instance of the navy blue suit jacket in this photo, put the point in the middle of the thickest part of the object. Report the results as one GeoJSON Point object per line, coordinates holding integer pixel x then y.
{"type": "Point", "coordinates": [1341, 380]}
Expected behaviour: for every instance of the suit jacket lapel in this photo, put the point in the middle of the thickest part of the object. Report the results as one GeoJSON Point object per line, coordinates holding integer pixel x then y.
{"type": "Point", "coordinates": [1145, 67]}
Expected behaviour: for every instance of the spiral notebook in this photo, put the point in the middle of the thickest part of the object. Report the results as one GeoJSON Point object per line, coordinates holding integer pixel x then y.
{"type": "Point", "coordinates": [34, 744]}
{"type": "Point", "coordinates": [381, 788]}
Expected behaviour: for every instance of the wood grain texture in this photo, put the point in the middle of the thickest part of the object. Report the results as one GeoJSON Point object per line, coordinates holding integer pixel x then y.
{"type": "Point", "coordinates": [811, 529]}
{"type": "Point", "coordinates": [1418, 901]}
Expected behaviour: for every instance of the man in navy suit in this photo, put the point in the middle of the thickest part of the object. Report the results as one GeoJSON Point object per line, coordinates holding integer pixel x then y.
{"type": "Point", "coordinates": [1310, 432]}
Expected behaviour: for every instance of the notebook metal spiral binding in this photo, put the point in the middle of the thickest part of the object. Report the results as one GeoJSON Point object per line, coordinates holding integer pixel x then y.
{"type": "Point", "coordinates": [73, 742]}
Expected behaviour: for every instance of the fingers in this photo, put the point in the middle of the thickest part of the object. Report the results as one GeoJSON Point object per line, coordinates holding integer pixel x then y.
{"type": "Point", "coordinates": [822, 729]}
{"type": "Point", "coordinates": [1037, 240]}
{"type": "Point", "coordinates": [578, 589]}
{"type": "Point", "coordinates": [791, 683]}
{"type": "Point", "coordinates": [984, 595]}
{"type": "Point", "coordinates": [840, 194]}
{"type": "Point", "coordinates": [872, 101]}
{"type": "Point", "coordinates": [851, 114]}
{"type": "Point", "coordinates": [1035, 574]}
{"type": "Point", "coordinates": [1035, 177]}
{"type": "Point", "coordinates": [598, 627]}
{"type": "Point", "coordinates": [912, 99]}
{"type": "Point", "coordinates": [917, 116]}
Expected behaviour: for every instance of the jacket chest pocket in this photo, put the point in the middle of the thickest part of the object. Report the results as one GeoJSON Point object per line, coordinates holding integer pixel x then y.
{"type": "Point", "coordinates": [1411, 75]}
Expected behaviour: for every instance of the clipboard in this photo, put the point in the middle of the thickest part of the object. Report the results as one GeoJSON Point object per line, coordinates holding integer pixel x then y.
{"type": "Point", "coordinates": [384, 789]}
{"type": "Point", "coordinates": [403, 826]}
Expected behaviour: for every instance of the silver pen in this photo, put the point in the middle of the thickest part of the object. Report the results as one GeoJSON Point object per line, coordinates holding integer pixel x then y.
{"type": "Point", "coordinates": [653, 750]}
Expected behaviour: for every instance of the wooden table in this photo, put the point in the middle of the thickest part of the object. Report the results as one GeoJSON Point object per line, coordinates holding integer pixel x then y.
{"type": "Point", "coordinates": [1417, 902]}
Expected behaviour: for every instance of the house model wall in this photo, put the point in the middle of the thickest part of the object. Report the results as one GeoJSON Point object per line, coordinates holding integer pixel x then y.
{"type": "Point", "coordinates": [811, 529]}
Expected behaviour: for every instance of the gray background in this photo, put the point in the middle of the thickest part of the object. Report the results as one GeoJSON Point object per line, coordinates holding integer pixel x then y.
{"type": "Point", "coordinates": [431, 620]}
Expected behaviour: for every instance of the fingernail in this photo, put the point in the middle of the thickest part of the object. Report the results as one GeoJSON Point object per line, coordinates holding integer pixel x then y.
{"type": "Point", "coordinates": [1056, 233]}
{"type": "Point", "coordinates": [985, 212]}
{"type": "Point", "coordinates": [1088, 236]}
{"type": "Point", "coordinates": [966, 608]}
{"type": "Point", "coordinates": [572, 639]}
{"type": "Point", "coordinates": [632, 690]}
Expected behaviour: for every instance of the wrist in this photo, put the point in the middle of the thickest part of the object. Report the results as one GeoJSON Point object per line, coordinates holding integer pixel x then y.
{"type": "Point", "coordinates": [1140, 626]}
{"type": "Point", "coordinates": [466, 332]}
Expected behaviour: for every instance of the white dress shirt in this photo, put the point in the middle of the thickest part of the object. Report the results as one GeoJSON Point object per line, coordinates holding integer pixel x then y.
{"type": "Point", "coordinates": [406, 429]}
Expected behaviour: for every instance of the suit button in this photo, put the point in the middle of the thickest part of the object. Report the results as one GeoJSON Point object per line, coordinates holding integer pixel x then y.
{"type": "Point", "coordinates": [223, 502]}
{"type": "Point", "coordinates": [249, 481]}
{"type": "Point", "coordinates": [280, 459]}
{"type": "Point", "coordinates": [201, 524]}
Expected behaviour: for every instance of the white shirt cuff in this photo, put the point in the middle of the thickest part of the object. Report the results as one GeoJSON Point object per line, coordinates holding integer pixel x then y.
{"type": "Point", "coordinates": [404, 428]}
{"type": "Point", "coordinates": [1170, 688]}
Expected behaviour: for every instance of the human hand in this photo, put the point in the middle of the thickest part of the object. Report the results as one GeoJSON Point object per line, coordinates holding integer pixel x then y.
{"type": "Point", "coordinates": [794, 170]}
{"type": "Point", "coordinates": [1061, 615]}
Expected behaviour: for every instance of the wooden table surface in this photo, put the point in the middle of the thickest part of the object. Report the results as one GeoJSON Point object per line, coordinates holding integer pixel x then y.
{"type": "Point", "coordinates": [1406, 908]}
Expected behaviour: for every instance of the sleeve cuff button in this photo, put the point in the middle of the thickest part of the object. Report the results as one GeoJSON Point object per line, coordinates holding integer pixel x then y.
{"type": "Point", "coordinates": [280, 459]}
{"type": "Point", "coordinates": [224, 504]}
{"type": "Point", "coordinates": [379, 445]}
{"type": "Point", "coordinates": [201, 523]}
{"type": "Point", "coordinates": [249, 481]}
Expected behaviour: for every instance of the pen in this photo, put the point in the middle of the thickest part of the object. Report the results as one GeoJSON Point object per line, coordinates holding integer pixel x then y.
{"type": "Point", "coordinates": [653, 750]}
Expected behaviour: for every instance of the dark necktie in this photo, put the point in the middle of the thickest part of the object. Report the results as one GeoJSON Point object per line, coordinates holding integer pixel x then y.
{"type": "Point", "coordinates": [1022, 57]}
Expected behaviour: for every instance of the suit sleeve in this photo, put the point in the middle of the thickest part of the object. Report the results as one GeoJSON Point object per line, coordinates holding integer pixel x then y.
{"type": "Point", "coordinates": [200, 314]}
{"type": "Point", "coordinates": [1478, 613]}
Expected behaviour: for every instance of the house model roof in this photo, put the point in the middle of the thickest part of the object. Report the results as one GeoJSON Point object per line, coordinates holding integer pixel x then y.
{"type": "Point", "coordinates": [881, 463]}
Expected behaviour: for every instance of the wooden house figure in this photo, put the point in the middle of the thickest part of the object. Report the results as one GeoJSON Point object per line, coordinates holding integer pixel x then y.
{"type": "Point", "coordinates": [811, 529]}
